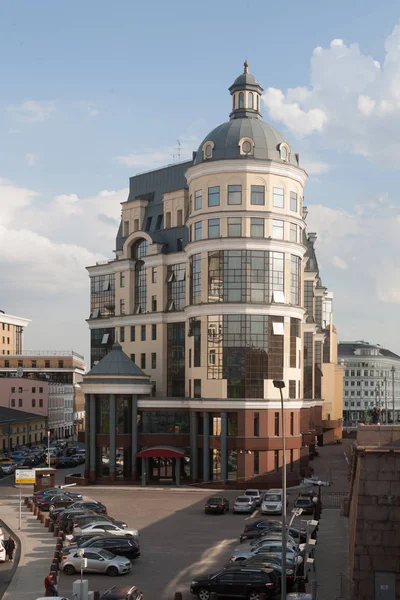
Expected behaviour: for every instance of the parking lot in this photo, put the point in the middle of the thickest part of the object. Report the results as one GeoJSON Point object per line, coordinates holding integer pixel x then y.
{"type": "Point", "coordinates": [178, 540]}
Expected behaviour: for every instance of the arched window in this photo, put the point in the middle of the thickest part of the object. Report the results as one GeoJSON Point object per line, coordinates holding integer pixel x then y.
{"type": "Point", "coordinates": [250, 99]}
{"type": "Point", "coordinates": [257, 102]}
{"type": "Point", "coordinates": [241, 100]}
{"type": "Point", "coordinates": [167, 220]}
{"type": "Point", "coordinates": [179, 218]}
{"type": "Point", "coordinates": [139, 251]}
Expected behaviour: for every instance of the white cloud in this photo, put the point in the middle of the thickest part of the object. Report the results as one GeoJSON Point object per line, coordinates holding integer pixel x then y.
{"type": "Point", "coordinates": [339, 263]}
{"type": "Point", "coordinates": [152, 158]}
{"type": "Point", "coordinates": [31, 159]}
{"type": "Point", "coordinates": [352, 101]}
{"type": "Point", "coordinates": [31, 111]}
{"type": "Point", "coordinates": [314, 167]}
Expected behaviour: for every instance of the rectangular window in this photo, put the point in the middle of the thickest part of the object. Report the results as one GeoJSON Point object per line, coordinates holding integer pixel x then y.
{"type": "Point", "coordinates": [197, 388]}
{"type": "Point", "coordinates": [33, 390]}
{"type": "Point", "coordinates": [13, 390]}
{"type": "Point", "coordinates": [213, 228]}
{"type": "Point", "coordinates": [7, 364]}
{"type": "Point", "coordinates": [13, 403]}
{"type": "Point", "coordinates": [198, 231]}
{"type": "Point", "coordinates": [293, 201]}
{"type": "Point", "coordinates": [256, 468]}
{"type": "Point", "coordinates": [143, 360]}
{"type": "Point", "coordinates": [293, 232]}
{"type": "Point", "coordinates": [153, 360]}
{"type": "Point", "coordinates": [190, 358]}
{"type": "Point", "coordinates": [122, 334]}
{"type": "Point", "coordinates": [234, 194]}
{"type": "Point", "coordinates": [20, 363]}
{"type": "Point", "coordinates": [34, 364]}
{"type": "Point", "coordinates": [154, 332]}
{"type": "Point", "coordinates": [148, 223]}
{"type": "Point", "coordinates": [33, 402]}
{"type": "Point", "coordinates": [41, 403]}
{"type": "Point", "coordinates": [256, 227]}
{"type": "Point", "coordinates": [159, 222]}
{"type": "Point", "coordinates": [197, 200]}
{"type": "Point", "coordinates": [212, 357]}
{"type": "Point", "coordinates": [122, 280]}
{"type": "Point", "coordinates": [234, 227]}
{"type": "Point", "coordinates": [277, 229]}
{"type": "Point", "coordinates": [292, 422]}
{"type": "Point", "coordinates": [276, 424]}
{"type": "Point", "coordinates": [126, 228]}
{"type": "Point", "coordinates": [60, 364]}
{"type": "Point", "coordinates": [213, 196]}
{"type": "Point", "coordinates": [257, 195]}
{"type": "Point", "coordinates": [40, 390]}
{"type": "Point", "coordinates": [122, 306]}
{"type": "Point", "coordinates": [197, 344]}
{"type": "Point", "coordinates": [190, 388]}
{"type": "Point", "coordinates": [291, 461]}
{"type": "Point", "coordinates": [133, 358]}
{"type": "Point", "coordinates": [143, 333]}
{"type": "Point", "coordinates": [292, 389]}
{"type": "Point", "coordinates": [20, 402]}
{"type": "Point", "coordinates": [154, 275]}
{"type": "Point", "coordinates": [154, 303]}
{"type": "Point", "coordinates": [256, 424]}
{"type": "Point", "coordinates": [276, 460]}
{"type": "Point", "coordinates": [47, 364]}
{"type": "Point", "coordinates": [278, 197]}
{"type": "Point", "coordinates": [133, 333]}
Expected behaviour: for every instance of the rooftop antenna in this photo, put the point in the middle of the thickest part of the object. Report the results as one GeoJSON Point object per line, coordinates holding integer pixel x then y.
{"type": "Point", "coordinates": [179, 150]}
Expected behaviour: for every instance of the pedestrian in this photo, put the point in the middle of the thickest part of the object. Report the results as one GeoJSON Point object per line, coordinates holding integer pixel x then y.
{"type": "Point", "coordinates": [10, 548]}
{"type": "Point", "coordinates": [49, 586]}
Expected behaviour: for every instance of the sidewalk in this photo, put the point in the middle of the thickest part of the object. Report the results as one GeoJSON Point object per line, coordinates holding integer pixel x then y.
{"type": "Point", "coordinates": [35, 550]}
{"type": "Point", "coordinates": [331, 554]}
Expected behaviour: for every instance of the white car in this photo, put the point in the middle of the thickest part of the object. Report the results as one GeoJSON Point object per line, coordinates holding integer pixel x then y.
{"type": "Point", "coordinates": [245, 504]}
{"type": "Point", "coordinates": [268, 537]}
{"type": "Point", "coordinates": [2, 552]}
{"type": "Point", "coordinates": [106, 527]}
{"type": "Point", "coordinates": [1, 535]}
{"type": "Point", "coordinates": [8, 468]}
{"type": "Point", "coordinates": [272, 502]}
{"type": "Point", "coordinates": [255, 494]}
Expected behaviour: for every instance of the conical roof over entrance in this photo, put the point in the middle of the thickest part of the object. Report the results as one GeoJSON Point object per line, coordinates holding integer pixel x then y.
{"type": "Point", "coordinates": [116, 362]}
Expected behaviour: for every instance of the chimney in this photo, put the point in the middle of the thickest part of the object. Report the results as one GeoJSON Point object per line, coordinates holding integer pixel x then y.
{"type": "Point", "coordinates": [312, 238]}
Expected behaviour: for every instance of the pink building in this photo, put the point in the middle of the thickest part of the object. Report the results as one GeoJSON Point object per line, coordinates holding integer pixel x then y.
{"type": "Point", "coordinates": [24, 394]}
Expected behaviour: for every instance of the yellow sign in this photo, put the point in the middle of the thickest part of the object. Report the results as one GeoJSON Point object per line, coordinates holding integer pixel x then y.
{"type": "Point", "coordinates": [25, 476]}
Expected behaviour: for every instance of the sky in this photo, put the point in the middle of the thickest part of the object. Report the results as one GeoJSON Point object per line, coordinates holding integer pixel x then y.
{"type": "Point", "coordinates": [93, 92]}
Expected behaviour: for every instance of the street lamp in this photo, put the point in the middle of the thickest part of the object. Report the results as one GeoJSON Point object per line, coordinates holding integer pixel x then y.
{"type": "Point", "coordinates": [279, 384]}
{"type": "Point", "coordinates": [393, 372]}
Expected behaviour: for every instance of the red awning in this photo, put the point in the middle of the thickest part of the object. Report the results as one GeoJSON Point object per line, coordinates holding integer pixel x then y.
{"type": "Point", "coordinates": [161, 452]}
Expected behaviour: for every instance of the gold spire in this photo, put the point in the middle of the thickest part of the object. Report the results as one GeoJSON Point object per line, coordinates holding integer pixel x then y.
{"type": "Point", "coordinates": [246, 67]}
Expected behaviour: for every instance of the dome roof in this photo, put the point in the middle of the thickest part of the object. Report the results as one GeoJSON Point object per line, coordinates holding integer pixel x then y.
{"type": "Point", "coordinates": [226, 139]}
{"type": "Point", "coordinates": [245, 79]}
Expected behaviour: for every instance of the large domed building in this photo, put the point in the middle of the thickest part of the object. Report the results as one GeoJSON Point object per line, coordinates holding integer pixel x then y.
{"type": "Point", "coordinates": [214, 293]}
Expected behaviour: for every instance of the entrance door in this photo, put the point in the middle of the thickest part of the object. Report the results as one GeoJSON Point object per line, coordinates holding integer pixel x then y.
{"type": "Point", "coordinates": [385, 586]}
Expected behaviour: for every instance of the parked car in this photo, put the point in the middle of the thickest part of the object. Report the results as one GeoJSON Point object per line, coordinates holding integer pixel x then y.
{"type": "Point", "coordinates": [258, 528]}
{"type": "Point", "coordinates": [68, 518]}
{"type": "Point", "coordinates": [267, 546]}
{"type": "Point", "coordinates": [58, 501]}
{"type": "Point", "coordinates": [53, 491]}
{"type": "Point", "coordinates": [241, 583]}
{"type": "Point", "coordinates": [89, 518]}
{"type": "Point", "coordinates": [1, 535]}
{"type": "Point", "coordinates": [64, 462]}
{"type": "Point", "coordinates": [27, 462]}
{"type": "Point", "coordinates": [119, 545]}
{"type": "Point", "coordinates": [268, 536]}
{"type": "Point", "coordinates": [96, 507]}
{"type": "Point", "coordinates": [272, 502]}
{"type": "Point", "coordinates": [305, 502]}
{"type": "Point", "coordinates": [100, 561]}
{"type": "Point", "coordinates": [216, 504]}
{"type": "Point", "coordinates": [256, 494]}
{"type": "Point", "coordinates": [124, 592]}
{"type": "Point", "coordinates": [108, 527]}
{"type": "Point", "coordinates": [244, 504]}
{"type": "Point", "coordinates": [78, 539]}
{"type": "Point", "coordinates": [260, 561]}
{"type": "Point", "coordinates": [17, 454]}
{"type": "Point", "coordinates": [2, 551]}
{"type": "Point", "coordinates": [78, 458]}
{"type": "Point", "coordinates": [7, 468]}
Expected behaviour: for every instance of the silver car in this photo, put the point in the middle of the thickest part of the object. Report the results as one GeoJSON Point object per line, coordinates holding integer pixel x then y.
{"type": "Point", "coordinates": [105, 527]}
{"type": "Point", "coordinates": [244, 504]}
{"type": "Point", "coordinates": [98, 561]}
{"type": "Point", "coordinates": [256, 494]}
{"type": "Point", "coordinates": [268, 537]}
{"type": "Point", "coordinates": [270, 546]}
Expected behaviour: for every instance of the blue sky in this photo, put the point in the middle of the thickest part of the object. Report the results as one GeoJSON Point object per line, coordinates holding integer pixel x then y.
{"type": "Point", "coordinates": [92, 92]}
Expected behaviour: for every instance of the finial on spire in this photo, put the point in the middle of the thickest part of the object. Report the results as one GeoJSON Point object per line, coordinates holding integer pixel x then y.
{"type": "Point", "coordinates": [246, 67]}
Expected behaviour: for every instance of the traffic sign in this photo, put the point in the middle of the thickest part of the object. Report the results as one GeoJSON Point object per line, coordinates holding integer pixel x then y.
{"type": "Point", "coordinates": [25, 476]}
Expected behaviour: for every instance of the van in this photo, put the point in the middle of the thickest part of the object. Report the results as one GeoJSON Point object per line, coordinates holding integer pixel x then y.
{"type": "Point", "coordinates": [272, 502]}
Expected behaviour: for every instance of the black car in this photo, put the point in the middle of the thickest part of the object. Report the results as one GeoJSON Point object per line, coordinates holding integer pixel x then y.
{"type": "Point", "coordinates": [261, 526]}
{"type": "Point", "coordinates": [120, 545]}
{"type": "Point", "coordinates": [96, 507]}
{"type": "Point", "coordinates": [79, 538]}
{"type": "Point", "coordinates": [268, 561]}
{"type": "Point", "coordinates": [27, 462]}
{"type": "Point", "coordinates": [78, 458]}
{"type": "Point", "coordinates": [54, 491]}
{"type": "Point", "coordinates": [83, 518]}
{"type": "Point", "coordinates": [58, 501]}
{"type": "Point", "coordinates": [241, 583]}
{"type": "Point", "coordinates": [305, 502]}
{"type": "Point", "coordinates": [122, 592]}
{"type": "Point", "coordinates": [216, 504]}
{"type": "Point", "coordinates": [65, 462]}
{"type": "Point", "coordinates": [65, 519]}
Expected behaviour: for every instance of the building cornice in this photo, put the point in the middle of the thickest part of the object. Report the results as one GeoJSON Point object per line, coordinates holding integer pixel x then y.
{"type": "Point", "coordinates": [259, 167]}
{"type": "Point", "coordinates": [269, 244]}
{"type": "Point", "coordinates": [12, 320]}
{"type": "Point", "coordinates": [115, 388]}
{"type": "Point", "coordinates": [205, 404]}
{"type": "Point", "coordinates": [225, 212]}
{"type": "Point", "coordinates": [219, 308]}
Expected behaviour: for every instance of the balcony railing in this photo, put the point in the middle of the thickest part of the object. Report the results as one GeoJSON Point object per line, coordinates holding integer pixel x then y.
{"type": "Point", "coordinates": [46, 353]}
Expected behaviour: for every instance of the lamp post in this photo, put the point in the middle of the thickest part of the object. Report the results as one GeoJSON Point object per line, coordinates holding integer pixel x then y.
{"type": "Point", "coordinates": [386, 404]}
{"type": "Point", "coordinates": [393, 372]}
{"type": "Point", "coordinates": [279, 384]}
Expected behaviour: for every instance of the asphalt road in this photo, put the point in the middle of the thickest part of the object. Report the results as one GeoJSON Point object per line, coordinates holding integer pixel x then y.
{"type": "Point", "coordinates": [178, 540]}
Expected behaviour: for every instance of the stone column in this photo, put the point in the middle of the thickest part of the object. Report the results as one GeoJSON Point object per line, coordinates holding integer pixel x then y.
{"type": "Point", "coordinates": [224, 447]}
{"type": "Point", "coordinates": [178, 472]}
{"type": "Point", "coordinates": [206, 446]}
{"type": "Point", "coordinates": [92, 420]}
{"type": "Point", "coordinates": [134, 437]}
{"type": "Point", "coordinates": [87, 429]}
{"type": "Point", "coordinates": [113, 438]}
{"type": "Point", "coordinates": [193, 447]}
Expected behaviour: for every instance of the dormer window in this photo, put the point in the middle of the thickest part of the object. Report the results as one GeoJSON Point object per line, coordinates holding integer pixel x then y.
{"type": "Point", "coordinates": [208, 150]}
{"type": "Point", "coordinates": [241, 100]}
{"type": "Point", "coordinates": [246, 146]}
{"type": "Point", "coordinates": [284, 152]}
{"type": "Point", "coordinates": [250, 99]}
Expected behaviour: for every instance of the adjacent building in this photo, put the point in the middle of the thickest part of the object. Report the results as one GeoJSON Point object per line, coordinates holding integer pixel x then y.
{"type": "Point", "coordinates": [371, 383]}
{"type": "Point", "coordinates": [18, 428]}
{"type": "Point", "coordinates": [215, 292]}
{"type": "Point", "coordinates": [50, 381]}
{"type": "Point", "coordinates": [11, 333]}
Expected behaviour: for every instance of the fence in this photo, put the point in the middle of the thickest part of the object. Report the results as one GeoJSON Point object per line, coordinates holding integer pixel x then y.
{"type": "Point", "coordinates": [333, 499]}
{"type": "Point", "coordinates": [346, 588]}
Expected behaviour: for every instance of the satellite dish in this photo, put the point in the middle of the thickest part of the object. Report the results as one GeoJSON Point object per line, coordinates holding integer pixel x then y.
{"type": "Point", "coordinates": [20, 372]}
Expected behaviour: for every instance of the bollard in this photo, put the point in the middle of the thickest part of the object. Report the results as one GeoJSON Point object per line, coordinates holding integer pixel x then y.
{"type": "Point", "coordinates": [36, 510]}
{"type": "Point", "coordinates": [60, 539]}
{"type": "Point", "coordinates": [96, 596]}
{"type": "Point", "coordinates": [54, 573]}
{"type": "Point", "coordinates": [32, 507]}
{"type": "Point", "coordinates": [39, 516]}
{"type": "Point", "coordinates": [43, 520]}
{"type": "Point", "coordinates": [54, 564]}
{"type": "Point", "coordinates": [56, 530]}
{"type": "Point", "coordinates": [178, 596]}
{"type": "Point", "coordinates": [51, 526]}
{"type": "Point", "coordinates": [26, 501]}
{"type": "Point", "coordinates": [46, 521]}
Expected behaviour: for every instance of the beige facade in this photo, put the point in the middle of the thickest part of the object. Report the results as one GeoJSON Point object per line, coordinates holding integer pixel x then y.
{"type": "Point", "coordinates": [11, 333]}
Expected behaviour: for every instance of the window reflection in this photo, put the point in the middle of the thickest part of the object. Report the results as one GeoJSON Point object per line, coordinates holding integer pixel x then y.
{"type": "Point", "coordinates": [123, 415]}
